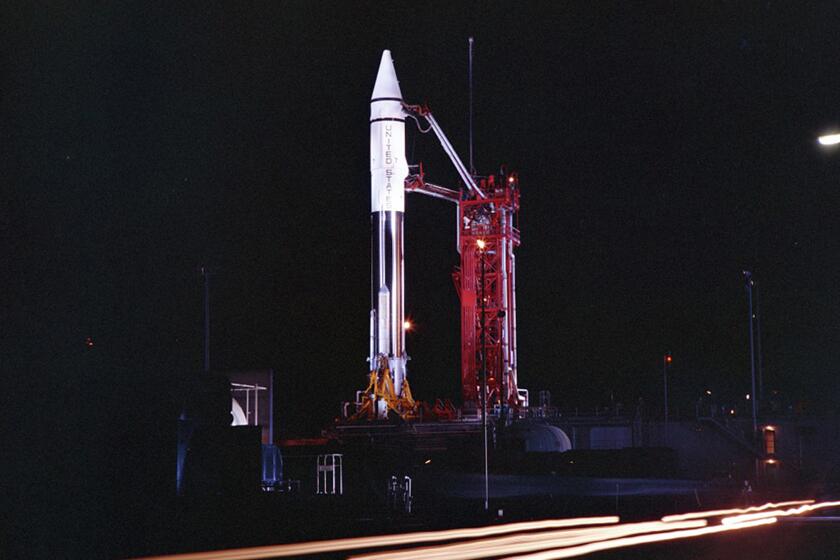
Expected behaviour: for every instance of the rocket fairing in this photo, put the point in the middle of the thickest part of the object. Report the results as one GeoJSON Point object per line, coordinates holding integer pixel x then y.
{"type": "Point", "coordinates": [388, 171]}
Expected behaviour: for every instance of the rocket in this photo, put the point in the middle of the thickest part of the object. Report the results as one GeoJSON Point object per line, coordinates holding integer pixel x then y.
{"type": "Point", "coordinates": [388, 171]}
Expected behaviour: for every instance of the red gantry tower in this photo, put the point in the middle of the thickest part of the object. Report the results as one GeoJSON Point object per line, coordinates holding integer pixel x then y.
{"type": "Point", "coordinates": [486, 284]}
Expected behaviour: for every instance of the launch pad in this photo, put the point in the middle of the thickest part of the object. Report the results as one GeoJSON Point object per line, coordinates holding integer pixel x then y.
{"type": "Point", "coordinates": [487, 236]}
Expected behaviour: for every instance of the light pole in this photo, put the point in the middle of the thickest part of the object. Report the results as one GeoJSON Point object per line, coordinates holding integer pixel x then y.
{"type": "Point", "coordinates": [760, 394]}
{"type": "Point", "coordinates": [481, 246]}
{"type": "Point", "coordinates": [205, 272]}
{"type": "Point", "coordinates": [749, 281]}
{"type": "Point", "coordinates": [666, 361]}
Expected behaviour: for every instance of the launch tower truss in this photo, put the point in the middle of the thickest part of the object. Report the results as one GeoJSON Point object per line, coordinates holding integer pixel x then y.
{"type": "Point", "coordinates": [486, 285]}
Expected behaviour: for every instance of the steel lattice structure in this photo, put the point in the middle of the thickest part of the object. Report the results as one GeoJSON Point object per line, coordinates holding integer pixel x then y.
{"type": "Point", "coordinates": [487, 242]}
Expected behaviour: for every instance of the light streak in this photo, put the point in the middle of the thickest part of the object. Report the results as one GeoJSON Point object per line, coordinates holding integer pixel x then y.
{"type": "Point", "coordinates": [529, 542]}
{"type": "Point", "coordinates": [813, 519]}
{"type": "Point", "coordinates": [783, 513]}
{"type": "Point", "coordinates": [733, 511]}
{"type": "Point", "coordinates": [564, 537]}
{"type": "Point", "coordinates": [640, 539]}
{"type": "Point", "coordinates": [829, 139]}
{"type": "Point", "coordinates": [318, 547]}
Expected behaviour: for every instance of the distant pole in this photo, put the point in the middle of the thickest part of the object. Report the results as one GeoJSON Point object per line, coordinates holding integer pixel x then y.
{"type": "Point", "coordinates": [758, 347]}
{"type": "Point", "coordinates": [666, 363]}
{"type": "Point", "coordinates": [470, 79]}
{"type": "Point", "coordinates": [665, 383]}
{"type": "Point", "coordinates": [206, 274]}
{"type": "Point", "coordinates": [749, 280]}
{"type": "Point", "coordinates": [484, 382]}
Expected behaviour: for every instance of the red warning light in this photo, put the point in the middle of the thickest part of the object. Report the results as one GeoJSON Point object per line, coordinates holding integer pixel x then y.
{"type": "Point", "coordinates": [668, 358]}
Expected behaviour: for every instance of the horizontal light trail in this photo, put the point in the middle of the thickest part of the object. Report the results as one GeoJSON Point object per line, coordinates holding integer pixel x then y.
{"type": "Point", "coordinates": [812, 519]}
{"type": "Point", "coordinates": [319, 547]}
{"type": "Point", "coordinates": [529, 542]}
{"type": "Point", "coordinates": [829, 139]}
{"type": "Point", "coordinates": [565, 538]}
{"type": "Point", "coordinates": [777, 513]}
{"type": "Point", "coordinates": [640, 539]}
{"type": "Point", "coordinates": [733, 511]}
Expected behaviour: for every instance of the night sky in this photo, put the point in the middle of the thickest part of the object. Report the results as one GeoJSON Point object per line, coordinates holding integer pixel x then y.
{"type": "Point", "coordinates": [662, 149]}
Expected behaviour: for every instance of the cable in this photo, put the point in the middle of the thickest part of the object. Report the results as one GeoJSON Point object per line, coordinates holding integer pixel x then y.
{"type": "Point", "coordinates": [419, 127]}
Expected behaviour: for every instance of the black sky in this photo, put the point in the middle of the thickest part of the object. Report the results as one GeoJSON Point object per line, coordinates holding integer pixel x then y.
{"type": "Point", "coordinates": [662, 148]}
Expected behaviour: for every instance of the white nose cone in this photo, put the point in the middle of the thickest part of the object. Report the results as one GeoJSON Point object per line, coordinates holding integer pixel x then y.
{"type": "Point", "coordinates": [386, 86]}
{"type": "Point", "coordinates": [388, 166]}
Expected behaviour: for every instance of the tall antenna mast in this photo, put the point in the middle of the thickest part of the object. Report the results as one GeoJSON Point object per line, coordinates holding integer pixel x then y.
{"type": "Point", "coordinates": [470, 79]}
{"type": "Point", "coordinates": [205, 272]}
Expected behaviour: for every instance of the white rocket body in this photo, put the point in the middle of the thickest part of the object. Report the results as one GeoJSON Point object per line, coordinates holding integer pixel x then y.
{"type": "Point", "coordinates": [388, 171]}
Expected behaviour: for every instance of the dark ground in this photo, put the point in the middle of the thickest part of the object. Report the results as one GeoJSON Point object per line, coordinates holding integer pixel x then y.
{"type": "Point", "coordinates": [785, 540]}
{"type": "Point", "coordinates": [199, 525]}
{"type": "Point", "coordinates": [781, 541]}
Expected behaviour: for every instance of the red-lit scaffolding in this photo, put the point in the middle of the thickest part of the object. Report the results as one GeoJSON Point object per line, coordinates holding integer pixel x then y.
{"type": "Point", "coordinates": [485, 280]}
{"type": "Point", "coordinates": [487, 241]}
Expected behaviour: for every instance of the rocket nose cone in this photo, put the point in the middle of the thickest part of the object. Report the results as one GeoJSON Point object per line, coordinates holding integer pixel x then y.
{"type": "Point", "coordinates": [386, 79]}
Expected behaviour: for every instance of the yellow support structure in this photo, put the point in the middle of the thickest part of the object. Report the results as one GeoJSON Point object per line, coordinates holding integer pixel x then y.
{"type": "Point", "coordinates": [381, 387]}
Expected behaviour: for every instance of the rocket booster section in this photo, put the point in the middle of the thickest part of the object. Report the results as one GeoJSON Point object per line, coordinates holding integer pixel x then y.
{"type": "Point", "coordinates": [388, 171]}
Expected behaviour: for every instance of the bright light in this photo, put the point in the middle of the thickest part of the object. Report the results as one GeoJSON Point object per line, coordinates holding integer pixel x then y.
{"type": "Point", "coordinates": [481, 244]}
{"type": "Point", "coordinates": [636, 540]}
{"type": "Point", "coordinates": [320, 547]}
{"type": "Point", "coordinates": [537, 540]}
{"type": "Point", "coordinates": [708, 392]}
{"type": "Point", "coordinates": [733, 511]}
{"type": "Point", "coordinates": [748, 396]}
{"type": "Point", "coordinates": [771, 461]}
{"type": "Point", "coordinates": [770, 428]}
{"type": "Point", "coordinates": [530, 542]}
{"type": "Point", "coordinates": [829, 139]}
{"type": "Point", "coordinates": [407, 325]}
{"type": "Point", "coordinates": [748, 517]}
